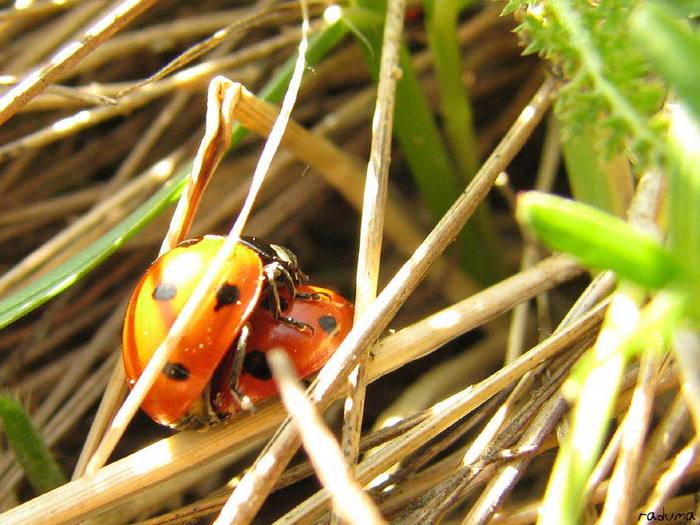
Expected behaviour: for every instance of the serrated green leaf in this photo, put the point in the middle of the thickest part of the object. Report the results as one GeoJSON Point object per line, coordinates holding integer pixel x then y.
{"type": "Point", "coordinates": [609, 86]}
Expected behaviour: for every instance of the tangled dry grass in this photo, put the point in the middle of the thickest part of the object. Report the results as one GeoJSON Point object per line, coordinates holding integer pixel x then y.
{"type": "Point", "coordinates": [464, 403]}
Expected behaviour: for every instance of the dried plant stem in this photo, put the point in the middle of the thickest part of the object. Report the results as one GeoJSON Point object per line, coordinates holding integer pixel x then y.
{"type": "Point", "coordinates": [57, 337]}
{"type": "Point", "coordinates": [91, 117]}
{"type": "Point", "coordinates": [114, 394]}
{"type": "Point", "coordinates": [259, 15]}
{"type": "Point", "coordinates": [619, 502]}
{"type": "Point", "coordinates": [351, 503]}
{"type": "Point", "coordinates": [51, 209]}
{"type": "Point", "coordinates": [372, 222]}
{"type": "Point", "coordinates": [343, 172]}
{"type": "Point", "coordinates": [166, 35]}
{"type": "Point", "coordinates": [528, 512]}
{"type": "Point", "coordinates": [216, 500]}
{"type": "Point", "coordinates": [101, 216]}
{"type": "Point", "coordinates": [660, 445]}
{"type": "Point", "coordinates": [69, 55]}
{"type": "Point", "coordinates": [605, 464]}
{"type": "Point", "coordinates": [41, 42]}
{"type": "Point", "coordinates": [38, 7]}
{"type": "Point", "coordinates": [445, 378]}
{"type": "Point", "coordinates": [687, 349]}
{"type": "Point", "coordinates": [65, 418]}
{"type": "Point", "coordinates": [505, 478]}
{"type": "Point", "coordinates": [503, 431]}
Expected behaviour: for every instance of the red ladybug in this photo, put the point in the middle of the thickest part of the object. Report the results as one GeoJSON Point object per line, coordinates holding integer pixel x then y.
{"type": "Point", "coordinates": [315, 322]}
{"type": "Point", "coordinates": [181, 396]}
{"type": "Point", "coordinates": [154, 305]}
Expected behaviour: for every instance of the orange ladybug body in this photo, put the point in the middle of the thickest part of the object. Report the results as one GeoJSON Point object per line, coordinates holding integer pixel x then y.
{"type": "Point", "coordinates": [326, 318]}
{"type": "Point", "coordinates": [208, 375]}
{"type": "Point", "coordinates": [178, 396]}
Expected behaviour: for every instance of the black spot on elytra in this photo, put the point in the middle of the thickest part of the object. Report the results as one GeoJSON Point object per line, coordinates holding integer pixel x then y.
{"type": "Point", "coordinates": [227, 294]}
{"type": "Point", "coordinates": [255, 363]}
{"type": "Point", "coordinates": [328, 323]}
{"type": "Point", "coordinates": [165, 292]}
{"type": "Point", "coordinates": [176, 371]}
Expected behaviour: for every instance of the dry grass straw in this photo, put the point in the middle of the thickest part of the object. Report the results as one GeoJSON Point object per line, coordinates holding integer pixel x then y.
{"type": "Point", "coordinates": [372, 221]}
{"type": "Point", "coordinates": [77, 158]}
{"type": "Point", "coordinates": [349, 500]}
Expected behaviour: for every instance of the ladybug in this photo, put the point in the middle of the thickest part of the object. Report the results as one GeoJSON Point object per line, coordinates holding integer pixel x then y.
{"type": "Point", "coordinates": [318, 320]}
{"type": "Point", "coordinates": [180, 394]}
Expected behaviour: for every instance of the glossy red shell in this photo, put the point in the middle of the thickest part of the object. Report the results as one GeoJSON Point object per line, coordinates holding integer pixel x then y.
{"type": "Point", "coordinates": [330, 316]}
{"type": "Point", "coordinates": [155, 303]}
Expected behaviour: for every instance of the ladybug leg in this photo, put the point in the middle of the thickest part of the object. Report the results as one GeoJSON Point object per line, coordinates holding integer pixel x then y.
{"type": "Point", "coordinates": [277, 275]}
{"type": "Point", "coordinates": [286, 278]}
{"type": "Point", "coordinates": [296, 323]}
{"type": "Point", "coordinates": [242, 399]}
{"type": "Point", "coordinates": [312, 296]}
{"type": "Point", "coordinates": [271, 273]}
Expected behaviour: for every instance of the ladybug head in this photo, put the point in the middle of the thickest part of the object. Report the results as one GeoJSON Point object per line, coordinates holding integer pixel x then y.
{"type": "Point", "coordinates": [289, 259]}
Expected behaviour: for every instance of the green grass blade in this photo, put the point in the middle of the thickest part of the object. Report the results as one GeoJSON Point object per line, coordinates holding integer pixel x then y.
{"type": "Point", "coordinates": [34, 458]}
{"type": "Point", "coordinates": [455, 107]}
{"type": "Point", "coordinates": [683, 159]}
{"type": "Point", "coordinates": [34, 295]}
{"type": "Point", "coordinates": [53, 283]}
{"type": "Point", "coordinates": [595, 400]}
{"type": "Point", "coordinates": [674, 50]}
{"type": "Point", "coordinates": [442, 18]}
{"type": "Point", "coordinates": [593, 386]}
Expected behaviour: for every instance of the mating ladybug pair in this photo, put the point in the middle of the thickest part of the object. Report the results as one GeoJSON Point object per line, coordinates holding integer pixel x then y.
{"type": "Point", "coordinates": [219, 365]}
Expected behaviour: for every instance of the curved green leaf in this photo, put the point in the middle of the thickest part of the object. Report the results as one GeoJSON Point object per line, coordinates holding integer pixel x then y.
{"type": "Point", "coordinates": [597, 239]}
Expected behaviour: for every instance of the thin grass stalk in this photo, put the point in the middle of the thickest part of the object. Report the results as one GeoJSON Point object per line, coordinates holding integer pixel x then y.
{"type": "Point", "coordinates": [43, 41]}
{"type": "Point", "coordinates": [504, 430]}
{"type": "Point", "coordinates": [349, 500]}
{"type": "Point", "coordinates": [119, 16]}
{"type": "Point", "coordinates": [659, 446]}
{"type": "Point", "coordinates": [546, 173]}
{"type": "Point", "coordinates": [453, 408]}
{"type": "Point", "coordinates": [372, 221]}
{"type": "Point", "coordinates": [620, 501]}
{"type": "Point", "coordinates": [671, 480]}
